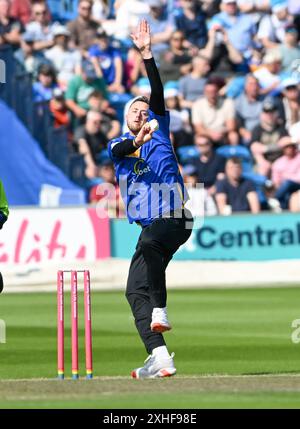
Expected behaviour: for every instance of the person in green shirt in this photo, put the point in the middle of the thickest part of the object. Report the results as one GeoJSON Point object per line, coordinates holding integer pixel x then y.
{"type": "Point", "coordinates": [82, 86]}
{"type": "Point", "coordinates": [4, 212]}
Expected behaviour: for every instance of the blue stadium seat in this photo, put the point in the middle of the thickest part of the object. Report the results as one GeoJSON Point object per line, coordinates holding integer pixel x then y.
{"type": "Point", "coordinates": [185, 153]}
{"type": "Point", "coordinates": [235, 151]}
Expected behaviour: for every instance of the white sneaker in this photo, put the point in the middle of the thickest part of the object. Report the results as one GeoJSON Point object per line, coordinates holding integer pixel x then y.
{"type": "Point", "coordinates": [160, 321]}
{"type": "Point", "coordinates": [156, 368]}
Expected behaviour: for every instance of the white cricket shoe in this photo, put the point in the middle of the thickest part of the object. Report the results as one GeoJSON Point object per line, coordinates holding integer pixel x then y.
{"type": "Point", "coordinates": [160, 321]}
{"type": "Point", "coordinates": [156, 368]}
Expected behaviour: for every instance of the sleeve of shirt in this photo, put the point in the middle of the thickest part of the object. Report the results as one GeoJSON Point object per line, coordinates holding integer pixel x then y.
{"type": "Point", "coordinates": [37, 97]}
{"type": "Point", "coordinates": [181, 88]}
{"type": "Point", "coordinates": [171, 22]}
{"type": "Point", "coordinates": [250, 187]}
{"type": "Point", "coordinates": [256, 135]}
{"type": "Point", "coordinates": [220, 187]}
{"type": "Point", "coordinates": [283, 132]}
{"type": "Point", "coordinates": [265, 28]}
{"type": "Point", "coordinates": [77, 57]}
{"type": "Point", "coordinates": [157, 101]}
{"type": "Point", "coordinates": [197, 116]}
{"type": "Point", "coordinates": [72, 89]}
{"type": "Point", "coordinates": [276, 174]}
{"type": "Point", "coordinates": [238, 110]}
{"type": "Point", "coordinates": [119, 148]}
{"type": "Point", "coordinates": [103, 88]}
{"type": "Point", "coordinates": [94, 51]}
{"type": "Point", "coordinates": [229, 110]}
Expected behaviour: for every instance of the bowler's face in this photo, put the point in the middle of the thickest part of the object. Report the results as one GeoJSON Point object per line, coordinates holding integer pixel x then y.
{"type": "Point", "coordinates": [137, 116]}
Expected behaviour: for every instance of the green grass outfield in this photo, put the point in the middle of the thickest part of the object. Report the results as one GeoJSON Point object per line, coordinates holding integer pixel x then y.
{"type": "Point", "coordinates": [233, 350]}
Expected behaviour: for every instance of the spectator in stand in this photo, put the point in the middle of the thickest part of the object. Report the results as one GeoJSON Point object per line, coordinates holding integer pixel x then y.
{"type": "Point", "coordinates": [45, 85]}
{"type": "Point", "coordinates": [59, 110]}
{"type": "Point", "coordinates": [65, 60]}
{"type": "Point", "coordinates": [234, 193]}
{"type": "Point", "coordinates": [21, 10]}
{"type": "Point", "coordinates": [222, 54]}
{"type": "Point", "coordinates": [111, 127]}
{"type": "Point", "coordinates": [291, 102]}
{"type": "Point", "coordinates": [83, 29]}
{"type": "Point", "coordinates": [272, 27]}
{"type": "Point", "coordinates": [210, 7]}
{"type": "Point", "coordinates": [286, 172]}
{"type": "Point", "coordinates": [110, 62]}
{"type": "Point", "coordinates": [239, 26]}
{"type": "Point", "coordinates": [30, 59]}
{"type": "Point", "coordinates": [266, 136]}
{"type": "Point", "coordinates": [192, 22]}
{"type": "Point", "coordinates": [248, 107]}
{"type": "Point", "coordinates": [214, 117]}
{"type": "Point", "coordinates": [176, 61]}
{"type": "Point", "coordinates": [289, 49]}
{"type": "Point", "coordinates": [100, 11]}
{"type": "Point", "coordinates": [162, 27]}
{"type": "Point", "coordinates": [106, 198]}
{"type": "Point", "coordinates": [201, 202]}
{"type": "Point", "coordinates": [257, 9]}
{"type": "Point", "coordinates": [41, 26]}
{"type": "Point", "coordinates": [10, 28]}
{"type": "Point", "coordinates": [191, 86]}
{"type": "Point", "coordinates": [269, 75]}
{"type": "Point", "coordinates": [134, 67]}
{"type": "Point", "coordinates": [181, 132]}
{"type": "Point", "coordinates": [91, 143]}
{"type": "Point", "coordinates": [210, 166]}
{"type": "Point", "coordinates": [128, 13]}
{"type": "Point", "coordinates": [81, 87]}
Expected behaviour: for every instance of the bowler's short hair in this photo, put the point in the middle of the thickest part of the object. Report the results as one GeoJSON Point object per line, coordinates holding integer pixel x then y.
{"type": "Point", "coordinates": [142, 98]}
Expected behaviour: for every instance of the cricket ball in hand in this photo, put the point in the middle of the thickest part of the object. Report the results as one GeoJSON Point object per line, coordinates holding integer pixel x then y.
{"type": "Point", "coordinates": [154, 125]}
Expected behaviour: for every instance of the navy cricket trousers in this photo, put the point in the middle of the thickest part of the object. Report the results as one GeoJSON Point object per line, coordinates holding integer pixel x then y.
{"type": "Point", "coordinates": [146, 285]}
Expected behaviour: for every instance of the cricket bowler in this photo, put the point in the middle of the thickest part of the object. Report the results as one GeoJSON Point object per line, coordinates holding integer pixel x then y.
{"type": "Point", "coordinates": [154, 196]}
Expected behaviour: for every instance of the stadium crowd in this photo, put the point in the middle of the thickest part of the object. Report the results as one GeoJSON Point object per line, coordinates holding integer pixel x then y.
{"type": "Point", "coordinates": [231, 74]}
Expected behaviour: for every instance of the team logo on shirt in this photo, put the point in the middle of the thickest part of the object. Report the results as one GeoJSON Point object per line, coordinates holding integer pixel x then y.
{"type": "Point", "coordinates": [140, 168]}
